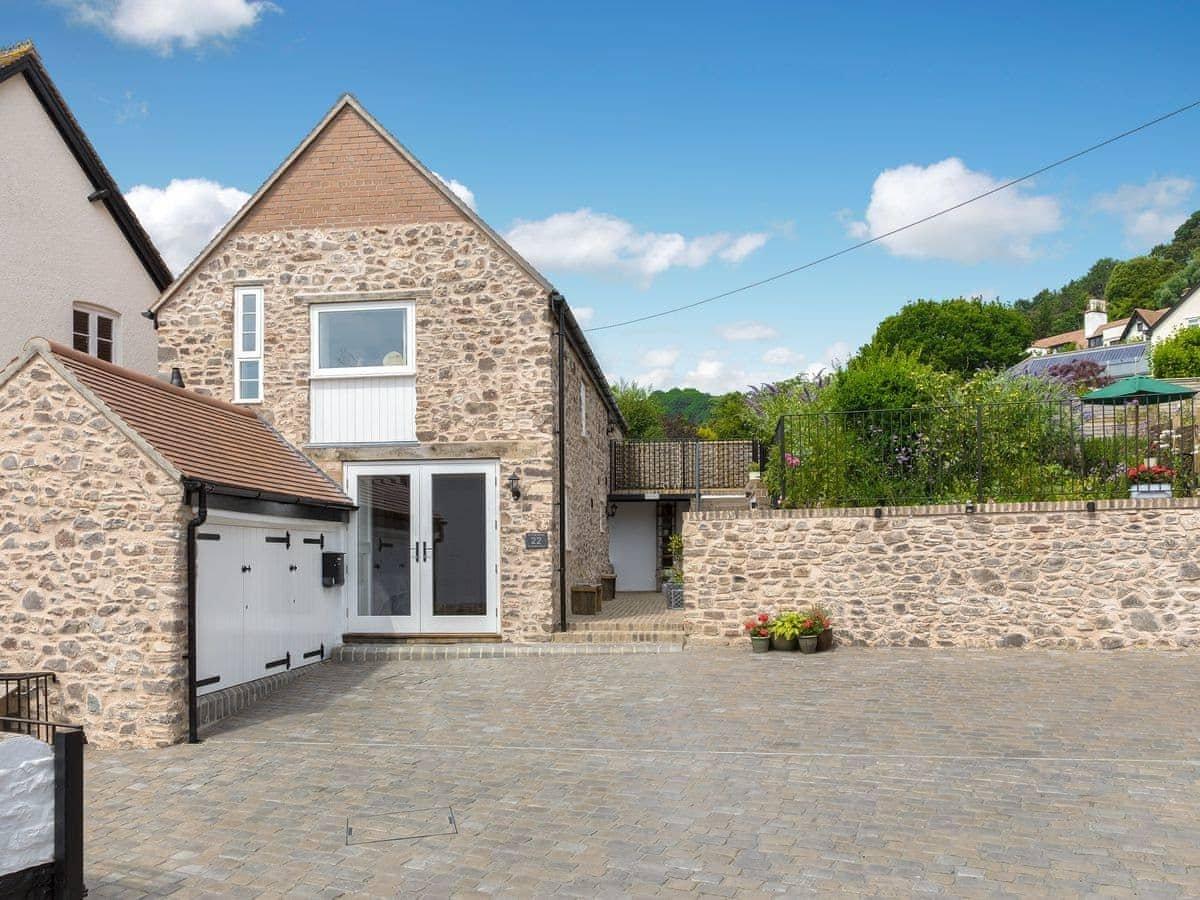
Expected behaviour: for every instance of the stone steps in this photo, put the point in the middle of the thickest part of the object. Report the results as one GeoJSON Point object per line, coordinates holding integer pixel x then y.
{"type": "Point", "coordinates": [624, 636]}
{"type": "Point", "coordinates": [360, 653]}
{"type": "Point", "coordinates": [613, 625]}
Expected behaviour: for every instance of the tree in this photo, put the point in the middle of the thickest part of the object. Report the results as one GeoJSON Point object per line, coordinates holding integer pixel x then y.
{"type": "Point", "coordinates": [677, 428]}
{"type": "Point", "coordinates": [1184, 243]}
{"type": "Point", "coordinates": [643, 413]}
{"type": "Point", "coordinates": [957, 335]}
{"type": "Point", "coordinates": [1183, 282]}
{"type": "Point", "coordinates": [879, 379]}
{"type": "Point", "coordinates": [1178, 356]}
{"type": "Point", "coordinates": [690, 403]}
{"type": "Point", "coordinates": [1053, 312]}
{"type": "Point", "coordinates": [1135, 282]}
{"type": "Point", "coordinates": [732, 419]}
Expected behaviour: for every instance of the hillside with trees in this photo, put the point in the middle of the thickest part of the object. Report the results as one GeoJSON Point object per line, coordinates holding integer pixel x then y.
{"type": "Point", "coordinates": [1152, 281]}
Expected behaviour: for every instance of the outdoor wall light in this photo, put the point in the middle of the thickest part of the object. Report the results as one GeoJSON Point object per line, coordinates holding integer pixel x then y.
{"type": "Point", "coordinates": [1091, 506]}
{"type": "Point", "coordinates": [514, 486]}
{"type": "Point", "coordinates": [610, 510]}
{"type": "Point", "coordinates": [970, 506]}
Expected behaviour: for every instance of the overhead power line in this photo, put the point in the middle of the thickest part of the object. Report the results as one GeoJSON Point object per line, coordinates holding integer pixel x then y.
{"type": "Point", "coordinates": [887, 234]}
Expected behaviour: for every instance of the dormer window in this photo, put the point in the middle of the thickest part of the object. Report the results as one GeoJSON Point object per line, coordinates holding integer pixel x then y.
{"type": "Point", "coordinates": [94, 331]}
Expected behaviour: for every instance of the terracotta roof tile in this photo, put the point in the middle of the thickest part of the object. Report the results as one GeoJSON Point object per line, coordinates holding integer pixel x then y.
{"type": "Point", "coordinates": [206, 439]}
{"type": "Point", "coordinates": [1056, 340]}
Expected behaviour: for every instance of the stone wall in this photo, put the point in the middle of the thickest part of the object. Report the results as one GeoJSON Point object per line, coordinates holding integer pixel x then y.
{"type": "Point", "coordinates": [92, 565]}
{"type": "Point", "coordinates": [587, 439]}
{"type": "Point", "coordinates": [1011, 575]}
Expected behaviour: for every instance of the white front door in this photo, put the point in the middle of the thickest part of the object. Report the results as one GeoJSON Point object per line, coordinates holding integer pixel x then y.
{"type": "Point", "coordinates": [426, 548]}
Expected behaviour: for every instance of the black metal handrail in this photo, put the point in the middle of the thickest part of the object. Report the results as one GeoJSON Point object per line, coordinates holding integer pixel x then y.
{"type": "Point", "coordinates": [41, 729]}
{"type": "Point", "coordinates": [681, 467]}
{"type": "Point", "coordinates": [26, 695]}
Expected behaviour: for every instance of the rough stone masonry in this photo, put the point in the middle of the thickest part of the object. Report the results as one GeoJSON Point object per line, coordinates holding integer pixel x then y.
{"type": "Point", "coordinates": [1048, 575]}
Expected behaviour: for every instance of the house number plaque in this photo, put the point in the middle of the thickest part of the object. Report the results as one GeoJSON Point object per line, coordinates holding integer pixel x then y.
{"type": "Point", "coordinates": [537, 540]}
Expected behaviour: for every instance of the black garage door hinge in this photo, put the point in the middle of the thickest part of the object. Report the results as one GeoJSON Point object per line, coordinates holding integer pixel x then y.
{"type": "Point", "coordinates": [286, 539]}
{"type": "Point", "coordinates": [276, 663]}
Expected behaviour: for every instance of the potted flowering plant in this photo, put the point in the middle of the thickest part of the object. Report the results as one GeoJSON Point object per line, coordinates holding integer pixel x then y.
{"type": "Point", "coordinates": [760, 633]}
{"type": "Point", "coordinates": [1149, 481]}
{"type": "Point", "coordinates": [812, 626]}
{"type": "Point", "coordinates": [825, 638]}
{"type": "Point", "coordinates": [785, 629]}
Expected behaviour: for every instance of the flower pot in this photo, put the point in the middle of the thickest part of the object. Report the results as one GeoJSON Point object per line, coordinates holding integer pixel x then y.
{"type": "Point", "coordinates": [785, 644]}
{"type": "Point", "coordinates": [1150, 491]}
{"type": "Point", "coordinates": [825, 640]}
{"type": "Point", "coordinates": [808, 643]}
{"type": "Point", "coordinates": [674, 594]}
{"type": "Point", "coordinates": [760, 644]}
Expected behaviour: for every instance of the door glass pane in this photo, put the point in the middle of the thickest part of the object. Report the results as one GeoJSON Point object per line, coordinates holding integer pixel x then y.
{"type": "Point", "coordinates": [459, 545]}
{"type": "Point", "coordinates": [360, 338]}
{"type": "Point", "coordinates": [384, 546]}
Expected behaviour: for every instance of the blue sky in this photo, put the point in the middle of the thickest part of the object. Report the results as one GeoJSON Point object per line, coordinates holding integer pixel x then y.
{"type": "Point", "coordinates": [646, 155]}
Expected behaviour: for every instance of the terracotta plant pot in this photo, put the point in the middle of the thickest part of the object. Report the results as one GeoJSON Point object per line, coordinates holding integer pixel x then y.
{"type": "Point", "coordinates": [808, 643]}
{"type": "Point", "coordinates": [825, 640]}
{"type": "Point", "coordinates": [784, 644]}
{"type": "Point", "coordinates": [760, 644]}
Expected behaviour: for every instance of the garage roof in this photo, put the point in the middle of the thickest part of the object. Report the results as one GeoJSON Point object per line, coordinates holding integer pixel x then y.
{"type": "Point", "coordinates": [224, 446]}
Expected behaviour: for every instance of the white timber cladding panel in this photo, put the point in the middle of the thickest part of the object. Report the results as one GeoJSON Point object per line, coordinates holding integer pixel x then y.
{"type": "Point", "coordinates": [26, 803]}
{"type": "Point", "coordinates": [260, 599]}
{"type": "Point", "coordinates": [368, 410]}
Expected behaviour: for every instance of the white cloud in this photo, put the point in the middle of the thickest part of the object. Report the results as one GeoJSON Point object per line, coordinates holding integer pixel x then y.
{"type": "Point", "coordinates": [162, 24]}
{"type": "Point", "coordinates": [460, 190]}
{"type": "Point", "coordinates": [660, 357]}
{"type": "Point", "coordinates": [747, 331]}
{"type": "Point", "coordinates": [743, 246]}
{"type": "Point", "coordinates": [131, 108]}
{"type": "Point", "coordinates": [1150, 212]}
{"type": "Point", "coordinates": [656, 378]}
{"type": "Point", "coordinates": [589, 241]}
{"type": "Point", "coordinates": [1002, 226]}
{"type": "Point", "coordinates": [583, 314]}
{"type": "Point", "coordinates": [782, 356]}
{"type": "Point", "coordinates": [183, 216]}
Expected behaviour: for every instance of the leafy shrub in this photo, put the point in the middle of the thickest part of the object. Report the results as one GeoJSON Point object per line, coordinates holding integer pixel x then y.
{"type": "Point", "coordinates": [1178, 356]}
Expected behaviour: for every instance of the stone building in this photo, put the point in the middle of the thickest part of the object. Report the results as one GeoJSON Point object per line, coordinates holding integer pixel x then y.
{"type": "Point", "coordinates": [380, 325]}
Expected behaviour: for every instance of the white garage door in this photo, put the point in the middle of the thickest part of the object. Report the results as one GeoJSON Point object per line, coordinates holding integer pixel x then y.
{"type": "Point", "coordinates": [260, 604]}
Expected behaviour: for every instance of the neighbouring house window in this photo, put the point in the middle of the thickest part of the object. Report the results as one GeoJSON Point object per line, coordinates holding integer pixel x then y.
{"type": "Point", "coordinates": [94, 332]}
{"type": "Point", "coordinates": [248, 345]}
{"type": "Point", "coordinates": [356, 339]}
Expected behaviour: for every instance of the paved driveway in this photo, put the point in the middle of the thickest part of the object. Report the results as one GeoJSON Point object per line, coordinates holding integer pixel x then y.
{"type": "Point", "coordinates": [889, 772]}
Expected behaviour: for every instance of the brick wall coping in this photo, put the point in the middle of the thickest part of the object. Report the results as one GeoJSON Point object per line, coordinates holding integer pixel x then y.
{"type": "Point", "coordinates": [945, 509]}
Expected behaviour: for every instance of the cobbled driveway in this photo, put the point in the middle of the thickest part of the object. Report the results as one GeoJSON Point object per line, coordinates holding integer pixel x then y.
{"type": "Point", "coordinates": [893, 772]}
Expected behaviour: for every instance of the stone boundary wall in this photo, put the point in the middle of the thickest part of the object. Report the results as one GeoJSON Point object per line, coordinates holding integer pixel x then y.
{"type": "Point", "coordinates": [1053, 575]}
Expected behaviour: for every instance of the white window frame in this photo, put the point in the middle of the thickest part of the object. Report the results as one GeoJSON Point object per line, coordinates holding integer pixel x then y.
{"type": "Point", "coordinates": [93, 313]}
{"type": "Point", "coordinates": [410, 335]}
{"type": "Point", "coordinates": [240, 355]}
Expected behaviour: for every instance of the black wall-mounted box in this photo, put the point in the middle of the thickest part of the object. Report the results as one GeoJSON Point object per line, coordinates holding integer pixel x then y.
{"type": "Point", "coordinates": [333, 569]}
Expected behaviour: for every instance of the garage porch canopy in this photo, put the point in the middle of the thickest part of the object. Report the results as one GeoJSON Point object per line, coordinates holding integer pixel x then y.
{"type": "Point", "coordinates": [198, 440]}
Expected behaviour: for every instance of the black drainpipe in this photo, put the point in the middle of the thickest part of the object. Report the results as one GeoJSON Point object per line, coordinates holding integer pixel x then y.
{"type": "Point", "coordinates": [558, 304]}
{"type": "Point", "coordinates": [199, 519]}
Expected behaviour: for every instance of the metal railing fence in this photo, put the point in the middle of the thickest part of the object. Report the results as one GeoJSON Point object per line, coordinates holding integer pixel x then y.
{"type": "Point", "coordinates": [1034, 450]}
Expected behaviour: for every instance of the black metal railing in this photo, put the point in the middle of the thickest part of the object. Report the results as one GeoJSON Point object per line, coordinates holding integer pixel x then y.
{"type": "Point", "coordinates": [999, 452]}
{"type": "Point", "coordinates": [681, 467]}
{"type": "Point", "coordinates": [25, 695]}
{"type": "Point", "coordinates": [42, 729]}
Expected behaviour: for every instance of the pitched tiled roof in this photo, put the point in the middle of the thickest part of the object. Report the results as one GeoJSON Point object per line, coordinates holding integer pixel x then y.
{"type": "Point", "coordinates": [1057, 340]}
{"type": "Point", "coordinates": [1151, 316]}
{"type": "Point", "coordinates": [206, 439]}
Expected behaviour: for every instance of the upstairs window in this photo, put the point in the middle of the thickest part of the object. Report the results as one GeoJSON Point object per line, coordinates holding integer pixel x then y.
{"type": "Point", "coordinates": [94, 332]}
{"type": "Point", "coordinates": [248, 345]}
{"type": "Point", "coordinates": [357, 339]}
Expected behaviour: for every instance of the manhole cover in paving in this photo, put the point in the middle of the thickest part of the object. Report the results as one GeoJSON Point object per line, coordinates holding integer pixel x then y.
{"type": "Point", "coordinates": [404, 825]}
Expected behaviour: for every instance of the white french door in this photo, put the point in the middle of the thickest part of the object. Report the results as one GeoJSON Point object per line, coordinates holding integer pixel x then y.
{"type": "Point", "coordinates": [426, 548]}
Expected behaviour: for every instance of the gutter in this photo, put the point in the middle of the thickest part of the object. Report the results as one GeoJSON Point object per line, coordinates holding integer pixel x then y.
{"type": "Point", "coordinates": [199, 519]}
{"type": "Point", "coordinates": [559, 307]}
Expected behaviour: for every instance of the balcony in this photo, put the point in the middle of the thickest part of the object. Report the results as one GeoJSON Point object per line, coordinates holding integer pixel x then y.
{"type": "Point", "coordinates": [681, 468]}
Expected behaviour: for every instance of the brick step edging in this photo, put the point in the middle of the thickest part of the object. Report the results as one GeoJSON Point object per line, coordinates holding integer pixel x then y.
{"type": "Point", "coordinates": [212, 708]}
{"type": "Point", "coordinates": [385, 652]}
